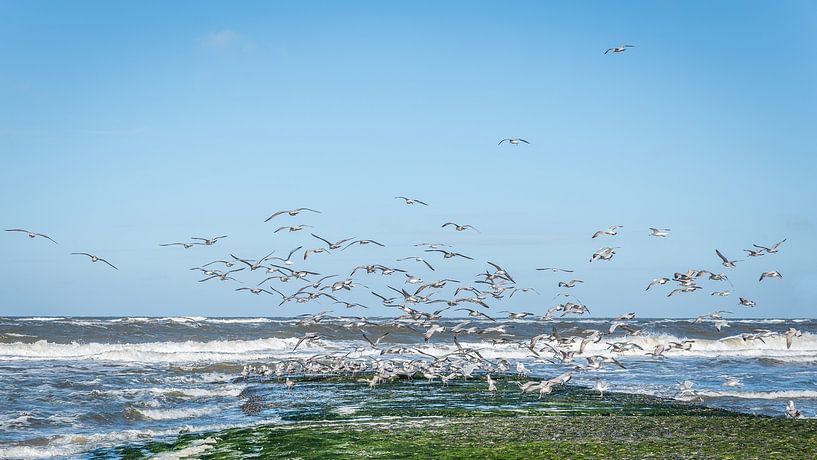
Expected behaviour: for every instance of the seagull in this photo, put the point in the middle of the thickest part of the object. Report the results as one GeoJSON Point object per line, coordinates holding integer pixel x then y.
{"type": "Point", "coordinates": [625, 317]}
{"type": "Point", "coordinates": [210, 241]}
{"type": "Point", "coordinates": [662, 232]}
{"type": "Point", "coordinates": [754, 252]}
{"type": "Point", "coordinates": [315, 251]}
{"type": "Point", "coordinates": [513, 141]}
{"type": "Point", "coordinates": [376, 342]}
{"type": "Point", "coordinates": [410, 200]}
{"type": "Point", "coordinates": [603, 254]}
{"type": "Point", "coordinates": [791, 410]}
{"type": "Point", "coordinates": [417, 259]}
{"type": "Point", "coordinates": [791, 334]}
{"type": "Point", "coordinates": [288, 260]}
{"type": "Point", "coordinates": [721, 293]}
{"type": "Point", "coordinates": [448, 255]}
{"type": "Point", "coordinates": [612, 230]}
{"type": "Point", "coordinates": [332, 245]}
{"type": "Point", "coordinates": [619, 49]}
{"type": "Point", "coordinates": [31, 234]}
{"type": "Point", "coordinates": [255, 290]}
{"type": "Point", "coordinates": [517, 315]}
{"type": "Point", "coordinates": [554, 270]}
{"type": "Point", "coordinates": [501, 272]}
{"type": "Point", "coordinates": [363, 242]}
{"type": "Point", "coordinates": [491, 384]}
{"type": "Point", "coordinates": [186, 245]}
{"type": "Point", "coordinates": [474, 313]}
{"type": "Point", "coordinates": [771, 274]}
{"type": "Point", "coordinates": [523, 290]}
{"type": "Point", "coordinates": [93, 258]}
{"type": "Point", "coordinates": [601, 386]}
{"type": "Point", "coordinates": [256, 264]}
{"type": "Point", "coordinates": [655, 281]}
{"type": "Point", "coordinates": [569, 284]}
{"type": "Point", "coordinates": [746, 302]}
{"type": "Point", "coordinates": [773, 249]}
{"type": "Point", "coordinates": [459, 227]}
{"type": "Point", "coordinates": [726, 262]}
{"type": "Point", "coordinates": [292, 228]}
{"type": "Point", "coordinates": [293, 212]}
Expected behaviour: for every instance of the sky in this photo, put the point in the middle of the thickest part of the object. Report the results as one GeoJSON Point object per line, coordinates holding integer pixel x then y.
{"type": "Point", "coordinates": [123, 127]}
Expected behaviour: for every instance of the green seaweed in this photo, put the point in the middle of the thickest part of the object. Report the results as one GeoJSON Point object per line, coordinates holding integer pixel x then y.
{"type": "Point", "coordinates": [462, 420]}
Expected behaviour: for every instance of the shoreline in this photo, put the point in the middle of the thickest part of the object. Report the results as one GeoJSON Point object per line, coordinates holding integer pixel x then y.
{"type": "Point", "coordinates": [572, 422]}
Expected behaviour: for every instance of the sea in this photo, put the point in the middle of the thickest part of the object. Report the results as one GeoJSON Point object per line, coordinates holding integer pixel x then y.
{"type": "Point", "coordinates": [72, 385]}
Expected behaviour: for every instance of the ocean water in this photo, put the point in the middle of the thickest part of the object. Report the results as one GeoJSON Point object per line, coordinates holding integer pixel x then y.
{"type": "Point", "coordinates": [71, 385]}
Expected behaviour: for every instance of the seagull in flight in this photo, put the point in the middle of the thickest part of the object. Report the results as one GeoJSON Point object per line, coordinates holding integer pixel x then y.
{"type": "Point", "coordinates": [331, 245]}
{"type": "Point", "coordinates": [292, 228]}
{"type": "Point", "coordinates": [514, 141]}
{"type": "Point", "coordinates": [459, 227]}
{"type": "Point", "coordinates": [410, 200]}
{"type": "Point", "coordinates": [448, 254]}
{"type": "Point", "coordinates": [32, 234]}
{"type": "Point", "coordinates": [209, 241]}
{"type": "Point", "coordinates": [771, 274]}
{"type": "Point", "coordinates": [612, 230]}
{"type": "Point", "coordinates": [93, 258]}
{"type": "Point", "coordinates": [288, 260]}
{"type": "Point", "coordinates": [726, 262]}
{"type": "Point", "coordinates": [186, 245]}
{"type": "Point", "coordinates": [773, 249]}
{"type": "Point", "coordinates": [657, 281]}
{"type": "Point", "coordinates": [747, 302]}
{"type": "Point", "coordinates": [662, 232]}
{"type": "Point", "coordinates": [619, 49]}
{"type": "Point", "coordinates": [292, 212]}
{"type": "Point", "coordinates": [362, 242]}
{"type": "Point", "coordinates": [554, 270]}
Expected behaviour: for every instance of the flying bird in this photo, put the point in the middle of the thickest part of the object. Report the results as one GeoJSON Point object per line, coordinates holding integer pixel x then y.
{"type": "Point", "coordinates": [612, 230]}
{"type": "Point", "coordinates": [725, 261]}
{"type": "Point", "coordinates": [93, 258]}
{"type": "Point", "coordinates": [619, 49]}
{"type": "Point", "coordinates": [292, 212]}
{"type": "Point", "coordinates": [662, 232]}
{"type": "Point", "coordinates": [459, 227]}
{"type": "Point", "coordinates": [771, 274]}
{"type": "Point", "coordinates": [32, 234]}
{"type": "Point", "coordinates": [513, 141]}
{"type": "Point", "coordinates": [209, 241]}
{"type": "Point", "coordinates": [773, 249]}
{"type": "Point", "coordinates": [292, 228]}
{"type": "Point", "coordinates": [186, 245]}
{"type": "Point", "coordinates": [410, 200]}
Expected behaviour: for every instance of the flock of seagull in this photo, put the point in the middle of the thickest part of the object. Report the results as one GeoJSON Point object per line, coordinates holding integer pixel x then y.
{"type": "Point", "coordinates": [417, 301]}
{"type": "Point", "coordinates": [414, 296]}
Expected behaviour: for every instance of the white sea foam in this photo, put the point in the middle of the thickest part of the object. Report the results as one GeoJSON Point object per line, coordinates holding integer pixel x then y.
{"type": "Point", "coordinates": [173, 414]}
{"type": "Point", "coordinates": [190, 351]}
{"type": "Point", "coordinates": [240, 320]}
{"type": "Point", "coordinates": [61, 446]}
{"type": "Point", "coordinates": [180, 392]}
{"type": "Point", "coordinates": [803, 349]}
{"type": "Point", "coordinates": [197, 447]}
{"type": "Point", "coordinates": [782, 394]}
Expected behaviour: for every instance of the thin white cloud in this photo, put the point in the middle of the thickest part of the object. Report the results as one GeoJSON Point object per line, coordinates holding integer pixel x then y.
{"type": "Point", "coordinates": [222, 39]}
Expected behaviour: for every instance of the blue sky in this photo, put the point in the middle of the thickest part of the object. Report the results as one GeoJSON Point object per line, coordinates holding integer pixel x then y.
{"type": "Point", "coordinates": [122, 127]}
